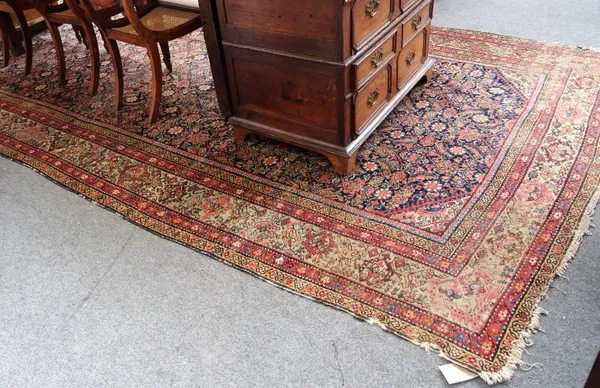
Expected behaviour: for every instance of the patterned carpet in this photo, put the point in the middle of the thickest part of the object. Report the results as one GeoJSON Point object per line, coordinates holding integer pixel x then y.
{"type": "Point", "coordinates": [470, 198]}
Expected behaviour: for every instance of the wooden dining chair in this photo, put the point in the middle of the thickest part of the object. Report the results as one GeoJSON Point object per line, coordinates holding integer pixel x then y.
{"type": "Point", "coordinates": [5, 37]}
{"type": "Point", "coordinates": [16, 8]}
{"type": "Point", "coordinates": [71, 12]}
{"type": "Point", "coordinates": [149, 24]}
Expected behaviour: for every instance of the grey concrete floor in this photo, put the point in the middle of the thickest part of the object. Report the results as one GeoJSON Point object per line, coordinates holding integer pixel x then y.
{"type": "Point", "coordinates": [88, 299]}
{"type": "Point", "coordinates": [573, 23]}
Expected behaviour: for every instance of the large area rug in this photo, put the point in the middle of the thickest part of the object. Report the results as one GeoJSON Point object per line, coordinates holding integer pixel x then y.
{"type": "Point", "coordinates": [470, 198]}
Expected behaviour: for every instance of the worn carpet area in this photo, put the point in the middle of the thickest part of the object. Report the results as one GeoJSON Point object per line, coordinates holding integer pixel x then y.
{"type": "Point", "coordinates": [470, 198]}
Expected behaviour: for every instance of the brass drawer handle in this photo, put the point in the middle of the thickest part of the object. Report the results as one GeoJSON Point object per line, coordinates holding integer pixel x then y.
{"type": "Point", "coordinates": [372, 100]}
{"type": "Point", "coordinates": [377, 58]}
{"type": "Point", "coordinates": [410, 57]}
{"type": "Point", "coordinates": [417, 20]}
{"type": "Point", "coordinates": [372, 8]}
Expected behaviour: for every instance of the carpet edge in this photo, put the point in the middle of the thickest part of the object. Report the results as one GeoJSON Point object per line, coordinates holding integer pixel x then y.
{"type": "Point", "coordinates": [515, 356]}
{"type": "Point", "coordinates": [574, 47]}
{"type": "Point", "coordinates": [524, 341]}
{"type": "Point", "coordinates": [515, 359]}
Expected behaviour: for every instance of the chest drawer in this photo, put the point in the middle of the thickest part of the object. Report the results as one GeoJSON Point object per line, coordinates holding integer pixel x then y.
{"type": "Point", "coordinates": [411, 56]}
{"type": "Point", "coordinates": [415, 22]}
{"type": "Point", "coordinates": [368, 18]}
{"type": "Point", "coordinates": [367, 65]}
{"type": "Point", "coordinates": [372, 97]}
{"type": "Point", "coordinates": [318, 74]}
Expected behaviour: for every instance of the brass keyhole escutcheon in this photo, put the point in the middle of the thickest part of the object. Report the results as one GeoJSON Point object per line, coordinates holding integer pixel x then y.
{"type": "Point", "coordinates": [372, 8]}
{"type": "Point", "coordinates": [377, 58]}
{"type": "Point", "coordinates": [372, 100]}
{"type": "Point", "coordinates": [410, 57]}
{"type": "Point", "coordinates": [417, 20]}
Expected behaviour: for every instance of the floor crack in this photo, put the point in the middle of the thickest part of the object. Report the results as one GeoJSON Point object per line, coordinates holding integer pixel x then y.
{"type": "Point", "coordinates": [336, 355]}
{"type": "Point", "coordinates": [93, 289]}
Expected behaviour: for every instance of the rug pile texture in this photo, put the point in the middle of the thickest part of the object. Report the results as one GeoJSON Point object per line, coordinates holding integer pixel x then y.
{"type": "Point", "coordinates": [468, 200]}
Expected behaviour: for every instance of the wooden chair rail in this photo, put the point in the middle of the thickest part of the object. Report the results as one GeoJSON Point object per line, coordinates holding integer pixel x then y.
{"type": "Point", "coordinates": [70, 12]}
{"type": "Point", "coordinates": [147, 24]}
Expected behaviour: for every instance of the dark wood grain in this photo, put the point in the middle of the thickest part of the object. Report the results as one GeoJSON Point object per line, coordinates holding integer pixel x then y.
{"type": "Point", "coordinates": [373, 96]}
{"type": "Point", "coordinates": [320, 74]}
{"type": "Point", "coordinates": [593, 380]}
{"type": "Point", "coordinates": [308, 27]}
{"type": "Point", "coordinates": [411, 56]}
{"type": "Point", "coordinates": [372, 61]}
{"type": "Point", "coordinates": [369, 17]}
{"type": "Point", "coordinates": [416, 21]}
{"type": "Point", "coordinates": [216, 56]}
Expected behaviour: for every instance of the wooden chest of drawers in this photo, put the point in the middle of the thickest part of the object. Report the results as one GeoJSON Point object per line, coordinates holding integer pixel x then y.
{"type": "Point", "coordinates": [321, 74]}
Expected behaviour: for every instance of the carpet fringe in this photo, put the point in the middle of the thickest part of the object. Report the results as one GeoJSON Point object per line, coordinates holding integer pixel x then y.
{"type": "Point", "coordinates": [593, 49]}
{"type": "Point", "coordinates": [515, 360]}
{"type": "Point", "coordinates": [525, 340]}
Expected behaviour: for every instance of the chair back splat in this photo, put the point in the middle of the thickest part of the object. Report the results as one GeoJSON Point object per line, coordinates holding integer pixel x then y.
{"type": "Point", "coordinates": [145, 23]}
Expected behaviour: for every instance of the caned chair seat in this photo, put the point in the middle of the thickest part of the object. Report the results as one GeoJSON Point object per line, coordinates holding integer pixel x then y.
{"type": "Point", "coordinates": [149, 24]}
{"type": "Point", "coordinates": [161, 19]}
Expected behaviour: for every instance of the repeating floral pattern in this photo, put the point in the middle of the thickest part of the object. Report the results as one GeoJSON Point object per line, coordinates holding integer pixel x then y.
{"type": "Point", "coordinates": [461, 211]}
{"type": "Point", "coordinates": [440, 152]}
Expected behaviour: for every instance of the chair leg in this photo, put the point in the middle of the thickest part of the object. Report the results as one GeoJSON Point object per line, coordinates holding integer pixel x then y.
{"type": "Point", "coordinates": [115, 55]}
{"type": "Point", "coordinates": [156, 81]}
{"type": "Point", "coordinates": [77, 31]}
{"type": "Point", "coordinates": [60, 53]}
{"type": "Point", "coordinates": [164, 47]}
{"type": "Point", "coordinates": [5, 43]}
{"type": "Point", "coordinates": [92, 45]}
{"type": "Point", "coordinates": [83, 36]}
{"type": "Point", "coordinates": [27, 40]}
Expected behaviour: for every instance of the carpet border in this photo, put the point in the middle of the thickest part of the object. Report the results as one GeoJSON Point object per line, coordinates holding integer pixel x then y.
{"type": "Point", "coordinates": [515, 358]}
{"type": "Point", "coordinates": [584, 227]}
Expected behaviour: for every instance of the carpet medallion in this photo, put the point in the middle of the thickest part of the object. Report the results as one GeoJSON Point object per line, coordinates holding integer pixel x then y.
{"type": "Point", "coordinates": [467, 201]}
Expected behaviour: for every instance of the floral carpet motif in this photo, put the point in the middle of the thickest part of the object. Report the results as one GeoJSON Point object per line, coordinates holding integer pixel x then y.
{"type": "Point", "coordinates": [467, 201]}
